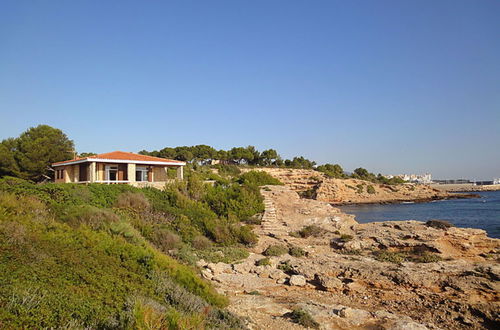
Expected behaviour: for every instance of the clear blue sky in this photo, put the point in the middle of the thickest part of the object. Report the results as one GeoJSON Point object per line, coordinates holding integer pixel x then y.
{"type": "Point", "coordinates": [393, 86]}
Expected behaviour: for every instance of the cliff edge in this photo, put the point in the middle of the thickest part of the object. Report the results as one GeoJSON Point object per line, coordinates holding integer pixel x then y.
{"type": "Point", "coordinates": [318, 186]}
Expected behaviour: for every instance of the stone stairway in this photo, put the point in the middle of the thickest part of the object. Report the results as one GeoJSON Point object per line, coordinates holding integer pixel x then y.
{"type": "Point", "coordinates": [270, 223]}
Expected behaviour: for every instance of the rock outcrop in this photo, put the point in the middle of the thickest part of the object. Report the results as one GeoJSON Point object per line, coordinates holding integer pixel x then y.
{"type": "Point", "coordinates": [389, 275]}
{"type": "Point", "coordinates": [352, 191]}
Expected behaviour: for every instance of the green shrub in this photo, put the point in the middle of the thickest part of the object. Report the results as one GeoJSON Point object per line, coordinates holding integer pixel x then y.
{"type": "Point", "coordinates": [286, 267]}
{"type": "Point", "coordinates": [427, 257]}
{"type": "Point", "coordinates": [303, 318]}
{"type": "Point", "coordinates": [245, 235]}
{"type": "Point", "coordinates": [263, 262]}
{"type": "Point", "coordinates": [275, 250]}
{"type": "Point", "coordinates": [227, 255]}
{"type": "Point", "coordinates": [309, 193]}
{"type": "Point", "coordinates": [201, 242]}
{"type": "Point", "coordinates": [360, 188]}
{"type": "Point", "coordinates": [311, 230]}
{"type": "Point", "coordinates": [258, 178]}
{"type": "Point", "coordinates": [228, 170]}
{"type": "Point", "coordinates": [91, 216]}
{"type": "Point", "coordinates": [165, 240]}
{"type": "Point", "coordinates": [296, 251]}
{"type": "Point", "coordinates": [370, 189]}
{"type": "Point", "coordinates": [388, 256]}
{"type": "Point", "coordinates": [133, 200]}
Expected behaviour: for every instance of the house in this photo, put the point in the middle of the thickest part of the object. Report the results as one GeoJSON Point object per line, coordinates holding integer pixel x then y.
{"type": "Point", "coordinates": [120, 167]}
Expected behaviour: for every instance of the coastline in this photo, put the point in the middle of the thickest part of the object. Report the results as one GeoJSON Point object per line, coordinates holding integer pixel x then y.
{"type": "Point", "coordinates": [416, 200]}
{"type": "Point", "coordinates": [351, 275]}
{"type": "Point", "coordinates": [465, 187]}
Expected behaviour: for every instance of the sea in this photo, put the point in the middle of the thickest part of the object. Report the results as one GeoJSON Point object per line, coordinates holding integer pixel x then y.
{"type": "Point", "coordinates": [483, 213]}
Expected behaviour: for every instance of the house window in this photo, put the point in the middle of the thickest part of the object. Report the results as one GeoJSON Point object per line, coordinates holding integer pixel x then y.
{"type": "Point", "coordinates": [111, 173]}
{"type": "Point", "coordinates": [141, 173]}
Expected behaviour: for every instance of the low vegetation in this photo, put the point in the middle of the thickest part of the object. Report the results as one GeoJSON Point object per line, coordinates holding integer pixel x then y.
{"type": "Point", "coordinates": [115, 256]}
{"type": "Point", "coordinates": [308, 231]}
{"type": "Point", "coordinates": [263, 262]}
{"type": "Point", "coordinates": [296, 251]}
{"type": "Point", "coordinates": [303, 318]}
{"type": "Point", "coordinates": [275, 250]}
{"type": "Point", "coordinates": [370, 189]}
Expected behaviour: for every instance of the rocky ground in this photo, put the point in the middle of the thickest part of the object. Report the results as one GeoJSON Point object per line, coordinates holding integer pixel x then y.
{"type": "Point", "coordinates": [389, 275]}
{"type": "Point", "coordinates": [353, 191]}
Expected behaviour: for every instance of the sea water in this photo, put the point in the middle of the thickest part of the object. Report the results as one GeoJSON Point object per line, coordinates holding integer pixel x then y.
{"type": "Point", "coordinates": [483, 213]}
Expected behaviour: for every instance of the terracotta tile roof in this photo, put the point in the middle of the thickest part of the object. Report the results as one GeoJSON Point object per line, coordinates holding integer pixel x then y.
{"type": "Point", "coordinates": [122, 155]}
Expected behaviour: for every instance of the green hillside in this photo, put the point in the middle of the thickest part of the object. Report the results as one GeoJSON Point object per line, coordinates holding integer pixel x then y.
{"type": "Point", "coordinates": [115, 257]}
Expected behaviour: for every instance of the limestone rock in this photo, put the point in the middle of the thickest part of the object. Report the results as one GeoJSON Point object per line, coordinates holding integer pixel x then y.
{"type": "Point", "coordinates": [207, 273]}
{"type": "Point", "coordinates": [330, 283]}
{"type": "Point", "coordinates": [219, 268]}
{"type": "Point", "coordinates": [407, 325]}
{"type": "Point", "coordinates": [297, 280]}
{"type": "Point", "coordinates": [201, 263]}
{"type": "Point", "coordinates": [355, 316]}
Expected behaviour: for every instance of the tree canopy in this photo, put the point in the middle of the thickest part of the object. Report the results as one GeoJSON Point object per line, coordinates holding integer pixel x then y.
{"type": "Point", "coordinates": [30, 155]}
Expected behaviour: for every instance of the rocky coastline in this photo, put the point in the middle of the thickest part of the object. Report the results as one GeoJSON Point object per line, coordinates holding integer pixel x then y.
{"type": "Point", "coordinates": [318, 186]}
{"type": "Point", "coordinates": [344, 275]}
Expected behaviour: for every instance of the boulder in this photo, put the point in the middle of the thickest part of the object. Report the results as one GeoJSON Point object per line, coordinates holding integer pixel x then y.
{"type": "Point", "coordinates": [207, 273]}
{"type": "Point", "coordinates": [297, 280]}
{"type": "Point", "coordinates": [219, 268]}
{"type": "Point", "coordinates": [407, 325]}
{"type": "Point", "coordinates": [330, 283]}
{"type": "Point", "coordinates": [354, 316]}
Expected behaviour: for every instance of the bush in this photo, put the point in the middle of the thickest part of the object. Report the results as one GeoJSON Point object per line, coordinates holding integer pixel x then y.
{"type": "Point", "coordinates": [263, 262]}
{"type": "Point", "coordinates": [439, 224]}
{"type": "Point", "coordinates": [286, 267]}
{"type": "Point", "coordinates": [165, 240]}
{"type": "Point", "coordinates": [303, 318]}
{"type": "Point", "coordinates": [91, 216]}
{"type": "Point", "coordinates": [311, 230]}
{"type": "Point", "coordinates": [360, 188]}
{"type": "Point", "coordinates": [370, 189]}
{"type": "Point", "coordinates": [228, 170]}
{"type": "Point", "coordinates": [201, 243]}
{"type": "Point", "coordinates": [296, 251]}
{"type": "Point", "coordinates": [246, 236]}
{"type": "Point", "coordinates": [132, 200]}
{"type": "Point", "coordinates": [275, 250]}
{"type": "Point", "coordinates": [309, 193]}
{"type": "Point", "coordinates": [388, 256]}
{"type": "Point", "coordinates": [427, 257]}
{"type": "Point", "coordinates": [258, 178]}
{"type": "Point", "coordinates": [226, 255]}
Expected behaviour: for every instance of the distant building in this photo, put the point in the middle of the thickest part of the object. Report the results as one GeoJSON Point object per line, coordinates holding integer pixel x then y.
{"type": "Point", "coordinates": [415, 178]}
{"type": "Point", "coordinates": [496, 181]}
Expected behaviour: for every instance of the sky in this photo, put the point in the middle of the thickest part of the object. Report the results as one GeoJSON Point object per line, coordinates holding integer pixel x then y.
{"type": "Point", "coordinates": [391, 86]}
